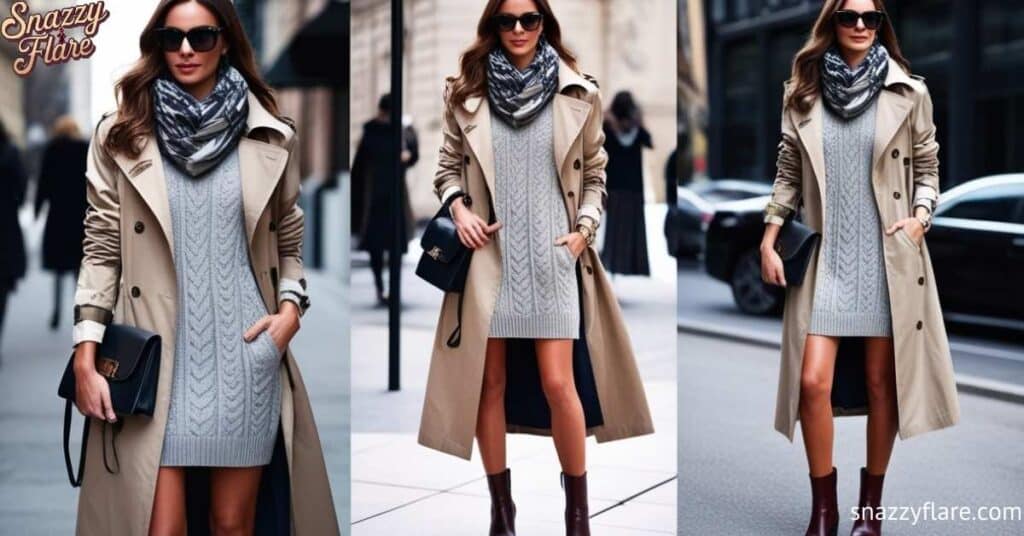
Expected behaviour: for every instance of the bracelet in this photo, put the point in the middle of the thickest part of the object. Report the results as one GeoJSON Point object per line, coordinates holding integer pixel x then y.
{"type": "Point", "coordinates": [588, 235]}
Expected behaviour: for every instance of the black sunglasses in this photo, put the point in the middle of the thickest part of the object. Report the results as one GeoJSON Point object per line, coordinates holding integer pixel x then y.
{"type": "Point", "coordinates": [506, 22]}
{"type": "Point", "coordinates": [848, 18]}
{"type": "Point", "coordinates": [200, 38]}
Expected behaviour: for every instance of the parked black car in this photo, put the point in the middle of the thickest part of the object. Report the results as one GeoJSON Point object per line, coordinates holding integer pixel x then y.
{"type": "Point", "coordinates": [976, 244]}
{"type": "Point", "coordinates": [695, 206]}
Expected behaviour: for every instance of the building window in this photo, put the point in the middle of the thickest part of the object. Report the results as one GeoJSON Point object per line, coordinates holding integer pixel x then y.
{"type": "Point", "coordinates": [925, 30]}
{"type": "Point", "coordinates": [251, 14]}
{"type": "Point", "coordinates": [741, 109]}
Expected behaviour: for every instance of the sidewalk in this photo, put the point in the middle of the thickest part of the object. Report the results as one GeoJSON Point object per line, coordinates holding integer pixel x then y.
{"type": "Point", "coordinates": [400, 487]}
{"type": "Point", "coordinates": [35, 497]}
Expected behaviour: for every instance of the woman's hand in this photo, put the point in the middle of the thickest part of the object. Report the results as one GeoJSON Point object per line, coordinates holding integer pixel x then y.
{"type": "Point", "coordinates": [771, 267]}
{"type": "Point", "coordinates": [911, 226]}
{"type": "Point", "coordinates": [574, 241]}
{"type": "Point", "coordinates": [281, 326]}
{"type": "Point", "coordinates": [92, 393]}
{"type": "Point", "coordinates": [472, 229]}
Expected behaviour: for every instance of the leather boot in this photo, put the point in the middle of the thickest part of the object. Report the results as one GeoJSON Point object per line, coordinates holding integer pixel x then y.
{"type": "Point", "coordinates": [577, 515]}
{"type": "Point", "coordinates": [503, 510]}
{"type": "Point", "coordinates": [867, 523]}
{"type": "Point", "coordinates": [824, 507]}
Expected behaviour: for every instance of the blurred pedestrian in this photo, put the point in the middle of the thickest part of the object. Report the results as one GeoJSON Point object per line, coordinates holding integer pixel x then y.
{"type": "Point", "coordinates": [12, 243]}
{"type": "Point", "coordinates": [522, 170]}
{"type": "Point", "coordinates": [194, 232]}
{"type": "Point", "coordinates": [373, 179]}
{"type": "Point", "coordinates": [863, 332]}
{"type": "Point", "coordinates": [625, 230]}
{"type": "Point", "coordinates": [62, 188]}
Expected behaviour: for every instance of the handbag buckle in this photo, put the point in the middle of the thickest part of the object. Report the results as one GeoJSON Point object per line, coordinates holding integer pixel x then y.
{"type": "Point", "coordinates": [107, 367]}
{"type": "Point", "coordinates": [434, 253]}
{"type": "Point", "coordinates": [778, 248]}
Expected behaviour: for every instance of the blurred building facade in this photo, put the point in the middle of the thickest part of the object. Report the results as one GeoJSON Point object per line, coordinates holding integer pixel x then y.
{"type": "Point", "coordinates": [616, 41]}
{"type": "Point", "coordinates": [693, 92]}
{"type": "Point", "coordinates": [971, 54]}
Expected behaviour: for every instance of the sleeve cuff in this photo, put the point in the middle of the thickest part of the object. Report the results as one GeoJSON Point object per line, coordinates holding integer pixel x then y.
{"type": "Point", "coordinates": [88, 330]}
{"type": "Point", "coordinates": [590, 212]}
{"type": "Point", "coordinates": [772, 218]}
{"type": "Point", "coordinates": [295, 292]}
{"type": "Point", "coordinates": [448, 192]}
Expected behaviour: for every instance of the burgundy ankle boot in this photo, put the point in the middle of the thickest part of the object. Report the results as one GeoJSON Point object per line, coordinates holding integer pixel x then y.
{"type": "Point", "coordinates": [503, 510]}
{"type": "Point", "coordinates": [577, 515]}
{"type": "Point", "coordinates": [869, 523]}
{"type": "Point", "coordinates": [824, 510]}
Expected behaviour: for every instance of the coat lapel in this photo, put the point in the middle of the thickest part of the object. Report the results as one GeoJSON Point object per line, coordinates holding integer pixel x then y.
{"type": "Point", "coordinates": [146, 175]}
{"type": "Point", "coordinates": [475, 121]}
{"type": "Point", "coordinates": [570, 115]}
{"type": "Point", "coordinates": [809, 129]}
{"type": "Point", "coordinates": [260, 165]}
{"type": "Point", "coordinates": [893, 109]}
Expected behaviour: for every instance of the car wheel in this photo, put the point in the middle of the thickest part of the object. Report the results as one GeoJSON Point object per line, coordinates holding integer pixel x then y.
{"type": "Point", "coordinates": [751, 294]}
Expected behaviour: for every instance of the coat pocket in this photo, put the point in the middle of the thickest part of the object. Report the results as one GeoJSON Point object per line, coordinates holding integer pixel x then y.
{"type": "Point", "coordinates": [907, 239]}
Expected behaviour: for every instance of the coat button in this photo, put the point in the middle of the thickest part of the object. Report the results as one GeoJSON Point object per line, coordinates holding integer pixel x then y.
{"type": "Point", "coordinates": [895, 195]}
{"type": "Point", "coordinates": [906, 160]}
{"type": "Point", "coordinates": [273, 226]}
{"type": "Point", "coordinates": [139, 227]}
{"type": "Point", "coordinates": [920, 280]}
{"type": "Point", "coordinates": [136, 292]}
{"type": "Point", "coordinates": [590, 270]}
{"type": "Point", "coordinates": [920, 324]}
{"type": "Point", "coordinates": [570, 194]}
{"type": "Point", "coordinates": [576, 164]}
{"type": "Point", "coordinates": [466, 159]}
{"type": "Point", "coordinates": [895, 153]}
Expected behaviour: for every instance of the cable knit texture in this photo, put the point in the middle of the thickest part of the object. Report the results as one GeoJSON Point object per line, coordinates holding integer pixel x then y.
{"type": "Point", "coordinates": [851, 297]}
{"type": "Point", "coordinates": [538, 296]}
{"type": "Point", "coordinates": [225, 394]}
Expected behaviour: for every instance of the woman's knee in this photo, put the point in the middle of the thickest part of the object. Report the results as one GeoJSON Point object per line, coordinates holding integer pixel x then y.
{"type": "Point", "coordinates": [493, 385]}
{"type": "Point", "coordinates": [559, 390]}
{"type": "Point", "coordinates": [231, 521]}
{"type": "Point", "coordinates": [815, 386]}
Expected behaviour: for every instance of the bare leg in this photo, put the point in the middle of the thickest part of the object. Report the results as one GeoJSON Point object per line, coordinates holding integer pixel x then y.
{"type": "Point", "coordinates": [490, 420]}
{"type": "Point", "coordinates": [169, 503]}
{"type": "Point", "coordinates": [233, 500]}
{"type": "Point", "coordinates": [568, 427]}
{"type": "Point", "coordinates": [816, 402]}
{"type": "Point", "coordinates": [883, 415]}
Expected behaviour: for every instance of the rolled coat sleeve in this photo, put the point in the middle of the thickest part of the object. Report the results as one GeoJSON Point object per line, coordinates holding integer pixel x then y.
{"type": "Point", "coordinates": [787, 187]}
{"type": "Point", "coordinates": [99, 274]}
{"type": "Point", "coordinates": [448, 177]}
{"type": "Point", "coordinates": [595, 160]}
{"type": "Point", "coordinates": [925, 152]}
{"type": "Point", "coordinates": [290, 231]}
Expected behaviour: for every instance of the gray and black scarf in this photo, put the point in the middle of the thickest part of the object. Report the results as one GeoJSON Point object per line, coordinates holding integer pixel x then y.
{"type": "Point", "coordinates": [848, 92]}
{"type": "Point", "coordinates": [196, 134]}
{"type": "Point", "coordinates": [518, 96]}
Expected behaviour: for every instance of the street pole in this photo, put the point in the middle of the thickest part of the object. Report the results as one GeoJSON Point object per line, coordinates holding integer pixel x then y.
{"type": "Point", "coordinates": [395, 254]}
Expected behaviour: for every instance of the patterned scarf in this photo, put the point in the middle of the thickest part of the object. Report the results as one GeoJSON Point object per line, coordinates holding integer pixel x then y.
{"type": "Point", "coordinates": [518, 96]}
{"type": "Point", "coordinates": [196, 134]}
{"type": "Point", "coordinates": [848, 92]}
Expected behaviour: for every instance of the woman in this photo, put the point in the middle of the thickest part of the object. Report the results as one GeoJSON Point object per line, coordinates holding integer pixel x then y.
{"type": "Point", "coordinates": [863, 333]}
{"type": "Point", "coordinates": [62, 187]}
{"type": "Point", "coordinates": [523, 140]}
{"type": "Point", "coordinates": [192, 209]}
{"type": "Point", "coordinates": [625, 235]}
{"type": "Point", "coordinates": [12, 243]}
{"type": "Point", "coordinates": [373, 170]}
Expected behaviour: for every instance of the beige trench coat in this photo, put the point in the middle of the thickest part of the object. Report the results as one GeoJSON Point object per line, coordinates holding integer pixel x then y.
{"type": "Point", "coordinates": [905, 156]}
{"type": "Point", "coordinates": [456, 374]}
{"type": "Point", "coordinates": [128, 245]}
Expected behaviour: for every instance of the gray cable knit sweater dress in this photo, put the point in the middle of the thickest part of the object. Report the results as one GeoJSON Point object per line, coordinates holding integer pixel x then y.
{"type": "Point", "coordinates": [851, 296]}
{"type": "Point", "coordinates": [538, 296]}
{"type": "Point", "coordinates": [225, 394]}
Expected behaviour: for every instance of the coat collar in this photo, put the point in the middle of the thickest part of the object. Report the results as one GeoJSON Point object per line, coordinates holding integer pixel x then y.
{"type": "Point", "coordinates": [261, 164]}
{"type": "Point", "coordinates": [570, 116]}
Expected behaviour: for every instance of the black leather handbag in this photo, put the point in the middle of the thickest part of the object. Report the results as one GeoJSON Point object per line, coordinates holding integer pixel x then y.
{"type": "Point", "coordinates": [129, 358]}
{"type": "Point", "coordinates": [445, 259]}
{"type": "Point", "coordinates": [795, 244]}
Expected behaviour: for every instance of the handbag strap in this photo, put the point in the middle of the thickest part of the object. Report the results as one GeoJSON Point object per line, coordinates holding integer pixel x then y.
{"type": "Point", "coordinates": [455, 338]}
{"type": "Point", "coordinates": [75, 481]}
{"type": "Point", "coordinates": [115, 428]}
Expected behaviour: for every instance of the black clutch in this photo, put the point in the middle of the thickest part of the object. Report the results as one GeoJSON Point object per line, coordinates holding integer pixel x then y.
{"type": "Point", "coordinates": [129, 358]}
{"type": "Point", "coordinates": [795, 244]}
{"type": "Point", "coordinates": [445, 259]}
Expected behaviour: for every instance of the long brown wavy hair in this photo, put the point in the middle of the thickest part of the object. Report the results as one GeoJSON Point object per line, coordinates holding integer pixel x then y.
{"type": "Point", "coordinates": [134, 102]}
{"type": "Point", "coordinates": [806, 74]}
{"type": "Point", "coordinates": [472, 79]}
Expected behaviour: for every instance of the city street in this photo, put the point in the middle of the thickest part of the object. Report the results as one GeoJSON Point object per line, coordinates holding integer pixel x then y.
{"type": "Point", "coordinates": [400, 487]}
{"type": "Point", "coordinates": [35, 496]}
{"type": "Point", "coordinates": [741, 477]}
